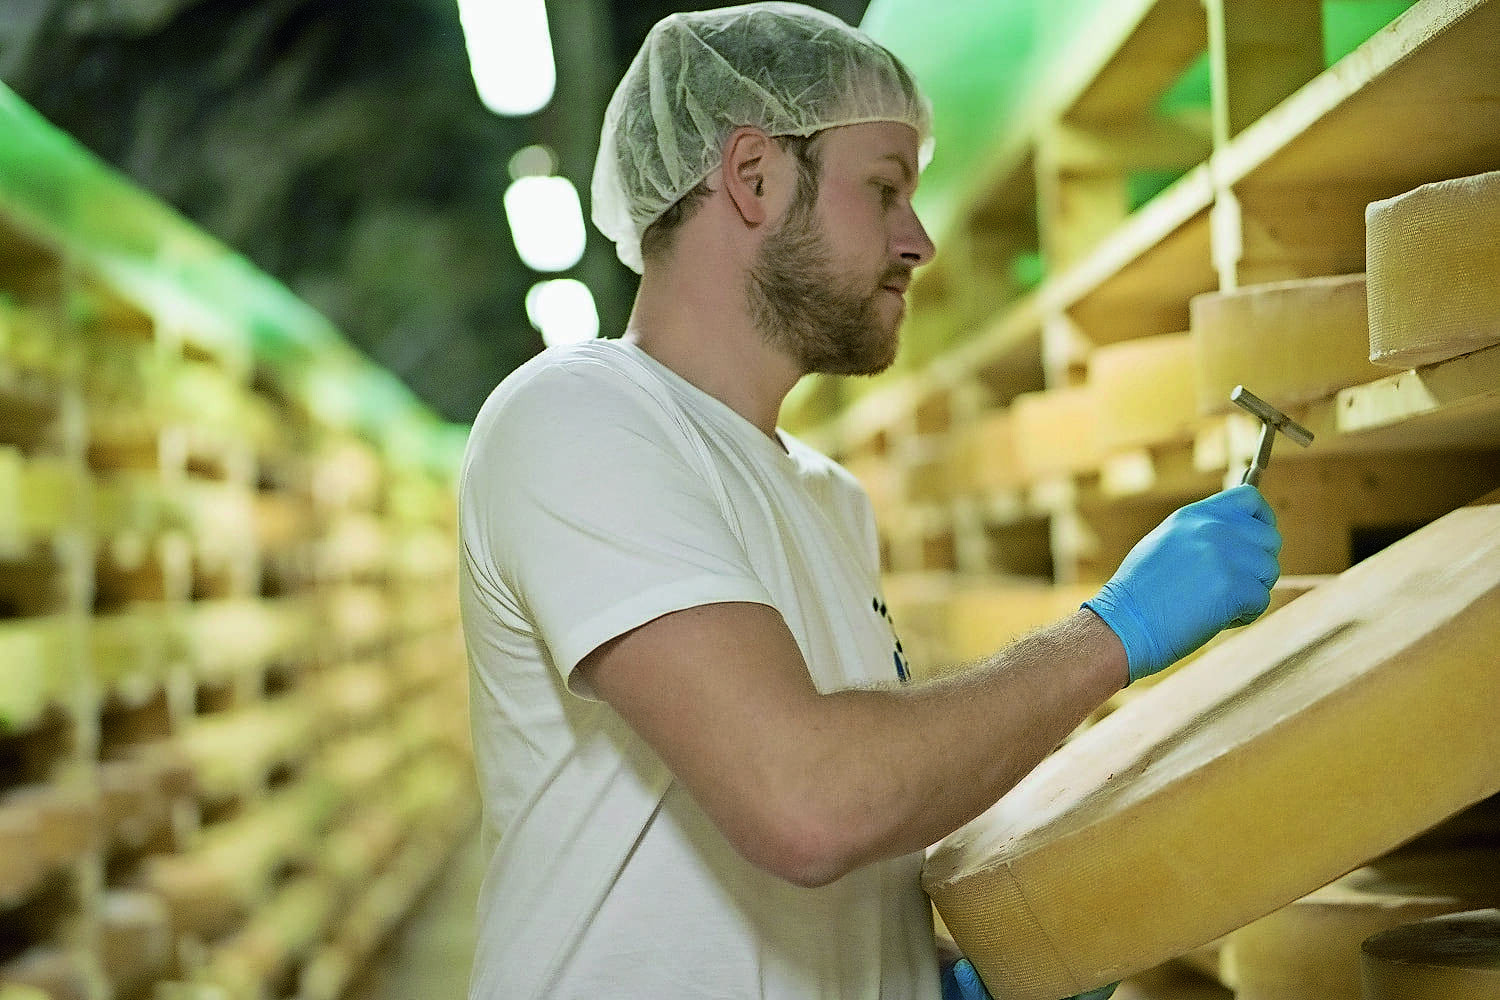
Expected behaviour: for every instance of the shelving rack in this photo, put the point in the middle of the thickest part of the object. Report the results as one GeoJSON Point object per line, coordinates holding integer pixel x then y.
{"type": "Point", "coordinates": [986, 452]}
{"type": "Point", "coordinates": [1273, 178]}
{"type": "Point", "coordinates": [232, 706]}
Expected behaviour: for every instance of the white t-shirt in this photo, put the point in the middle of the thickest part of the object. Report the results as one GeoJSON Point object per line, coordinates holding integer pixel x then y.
{"type": "Point", "coordinates": [601, 490]}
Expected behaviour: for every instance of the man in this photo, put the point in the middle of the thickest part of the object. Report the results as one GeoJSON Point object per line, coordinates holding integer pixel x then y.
{"type": "Point", "coordinates": [704, 772]}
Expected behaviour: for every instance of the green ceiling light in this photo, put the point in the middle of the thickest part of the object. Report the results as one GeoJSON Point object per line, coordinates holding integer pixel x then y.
{"type": "Point", "coordinates": [563, 310]}
{"type": "Point", "coordinates": [546, 222]}
{"type": "Point", "coordinates": [510, 54]}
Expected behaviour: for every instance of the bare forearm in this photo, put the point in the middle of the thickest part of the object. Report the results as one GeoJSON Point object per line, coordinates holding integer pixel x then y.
{"type": "Point", "coordinates": [810, 786]}
{"type": "Point", "coordinates": [903, 768]}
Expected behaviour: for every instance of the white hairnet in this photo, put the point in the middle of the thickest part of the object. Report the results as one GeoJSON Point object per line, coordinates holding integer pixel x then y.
{"type": "Point", "coordinates": [782, 67]}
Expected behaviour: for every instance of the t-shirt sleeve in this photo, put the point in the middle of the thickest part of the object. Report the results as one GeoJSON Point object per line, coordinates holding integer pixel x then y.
{"type": "Point", "coordinates": [581, 499]}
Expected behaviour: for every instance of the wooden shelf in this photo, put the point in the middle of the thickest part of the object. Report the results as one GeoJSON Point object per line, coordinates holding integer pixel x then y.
{"type": "Point", "coordinates": [1454, 404]}
{"type": "Point", "coordinates": [1418, 102]}
{"type": "Point", "coordinates": [1138, 281]}
{"type": "Point", "coordinates": [167, 687]}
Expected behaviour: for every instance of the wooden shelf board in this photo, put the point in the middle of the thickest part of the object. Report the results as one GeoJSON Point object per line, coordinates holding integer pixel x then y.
{"type": "Point", "coordinates": [1145, 46]}
{"type": "Point", "coordinates": [1419, 101]}
{"type": "Point", "coordinates": [1451, 405]}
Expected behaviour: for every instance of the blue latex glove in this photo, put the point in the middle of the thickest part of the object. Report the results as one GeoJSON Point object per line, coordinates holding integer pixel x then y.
{"type": "Point", "coordinates": [961, 982]}
{"type": "Point", "coordinates": [1207, 567]}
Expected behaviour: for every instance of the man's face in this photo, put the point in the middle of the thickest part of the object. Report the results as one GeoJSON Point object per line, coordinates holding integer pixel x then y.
{"type": "Point", "coordinates": [828, 285]}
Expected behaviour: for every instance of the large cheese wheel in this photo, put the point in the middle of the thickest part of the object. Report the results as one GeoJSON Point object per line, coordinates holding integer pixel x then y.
{"type": "Point", "coordinates": [1145, 391]}
{"type": "Point", "coordinates": [1324, 735]}
{"type": "Point", "coordinates": [1311, 947]}
{"type": "Point", "coordinates": [985, 458]}
{"type": "Point", "coordinates": [1455, 957]}
{"type": "Point", "coordinates": [1055, 431]}
{"type": "Point", "coordinates": [1289, 342]}
{"type": "Point", "coordinates": [1433, 258]}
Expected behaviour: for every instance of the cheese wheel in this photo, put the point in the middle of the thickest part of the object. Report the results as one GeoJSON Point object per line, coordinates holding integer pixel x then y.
{"type": "Point", "coordinates": [986, 458]}
{"type": "Point", "coordinates": [1323, 735]}
{"type": "Point", "coordinates": [1454, 957]}
{"type": "Point", "coordinates": [1433, 257]}
{"type": "Point", "coordinates": [1312, 947]}
{"type": "Point", "coordinates": [1289, 342]}
{"type": "Point", "coordinates": [1055, 431]}
{"type": "Point", "coordinates": [1144, 390]}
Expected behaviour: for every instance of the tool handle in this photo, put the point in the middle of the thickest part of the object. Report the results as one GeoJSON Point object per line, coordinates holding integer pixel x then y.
{"type": "Point", "coordinates": [1262, 455]}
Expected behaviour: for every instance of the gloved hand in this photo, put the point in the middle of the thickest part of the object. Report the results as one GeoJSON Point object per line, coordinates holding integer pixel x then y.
{"type": "Point", "coordinates": [961, 982]}
{"type": "Point", "coordinates": [1207, 567]}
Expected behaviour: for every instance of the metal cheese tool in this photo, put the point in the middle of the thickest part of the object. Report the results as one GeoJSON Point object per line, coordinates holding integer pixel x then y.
{"type": "Point", "coordinates": [1272, 420]}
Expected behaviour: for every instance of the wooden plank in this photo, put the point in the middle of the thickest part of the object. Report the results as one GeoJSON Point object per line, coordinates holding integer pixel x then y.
{"type": "Point", "coordinates": [1431, 78]}
{"type": "Point", "coordinates": [1171, 471]}
{"type": "Point", "coordinates": [1260, 52]}
{"type": "Point", "coordinates": [1139, 279]}
{"type": "Point", "coordinates": [1129, 54]}
{"type": "Point", "coordinates": [1451, 405]}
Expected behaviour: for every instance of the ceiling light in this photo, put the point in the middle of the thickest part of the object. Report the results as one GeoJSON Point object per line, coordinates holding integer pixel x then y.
{"type": "Point", "coordinates": [563, 310]}
{"type": "Point", "coordinates": [532, 161]}
{"type": "Point", "coordinates": [510, 53]}
{"type": "Point", "coordinates": [546, 222]}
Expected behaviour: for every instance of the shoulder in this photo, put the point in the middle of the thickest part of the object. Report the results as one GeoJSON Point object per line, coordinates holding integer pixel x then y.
{"type": "Point", "coordinates": [816, 465]}
{"type": "Point", "coordinates": [556, 378]}
{"type": "Point", "coordinates": [564, 393]}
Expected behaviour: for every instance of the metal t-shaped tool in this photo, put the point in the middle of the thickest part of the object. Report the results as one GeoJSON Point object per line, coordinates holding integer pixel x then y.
{"type": "Point", "coordinates": [1272, 420]}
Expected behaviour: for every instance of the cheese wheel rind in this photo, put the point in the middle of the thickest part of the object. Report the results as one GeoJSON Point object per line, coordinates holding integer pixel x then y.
{"type": "Point", "coordinates": [1312, 947]}
{"type": "Point", "coordinates": [1289, 342]}
{"type": "Point", "coordinates": [1453, 957]}
{"type": "Point", "coordinates": [1433, 260]}
{"type": "Point", "coordinates": [1144, 391]}
{"type": "Point", "coordinates": [1239, 772]}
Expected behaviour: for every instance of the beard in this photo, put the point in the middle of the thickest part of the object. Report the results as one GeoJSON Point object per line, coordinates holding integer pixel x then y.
{"type": "Point", "coordinates": [828, 327]}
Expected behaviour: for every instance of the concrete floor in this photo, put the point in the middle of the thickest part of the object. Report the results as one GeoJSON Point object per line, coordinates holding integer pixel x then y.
{"type": "Point", "coordinates": [428, 956]}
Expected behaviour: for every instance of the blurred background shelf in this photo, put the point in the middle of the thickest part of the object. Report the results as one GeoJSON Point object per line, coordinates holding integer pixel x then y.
{"type": "Point", "coordinates": [227, 612]}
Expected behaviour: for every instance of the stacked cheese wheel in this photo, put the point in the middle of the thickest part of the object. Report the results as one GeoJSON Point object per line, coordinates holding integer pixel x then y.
{"type": "Point", "coordinates": [1312, 947]}
{"type": "Point", "coordinates": [1433, 259]}
{"type": "Point", "coordinates": [1456, 957]}
{"type": "Point", "coordinates": [1325, 734]}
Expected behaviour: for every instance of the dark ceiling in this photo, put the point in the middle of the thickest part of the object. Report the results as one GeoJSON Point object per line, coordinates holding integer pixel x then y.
{"type": "Point", "coordinates": [340, 146]}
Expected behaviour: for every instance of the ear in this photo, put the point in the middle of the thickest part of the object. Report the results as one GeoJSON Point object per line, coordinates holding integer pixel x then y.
{"type": "Point", "coordinates": [747, 161]}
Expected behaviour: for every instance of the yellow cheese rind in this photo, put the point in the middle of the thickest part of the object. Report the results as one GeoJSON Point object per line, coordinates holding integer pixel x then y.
{"type": "Point", "coordinates": [1242, 772]}
{"type": "Point", "coordinates": [985, 458]}
{"type": "Point", "coordinates": [1289, 342]}
{"type": "Point", "coordinates": [1144, 390]}
{"type": "Point", "coordinates": [1056, 431]}
{"type": "Point", "coordinates": [1454, 957]}
{"type": "Point", "coordinates": [1433, 258]}
{"type": "Point", "coordinates": [1312, 946]}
